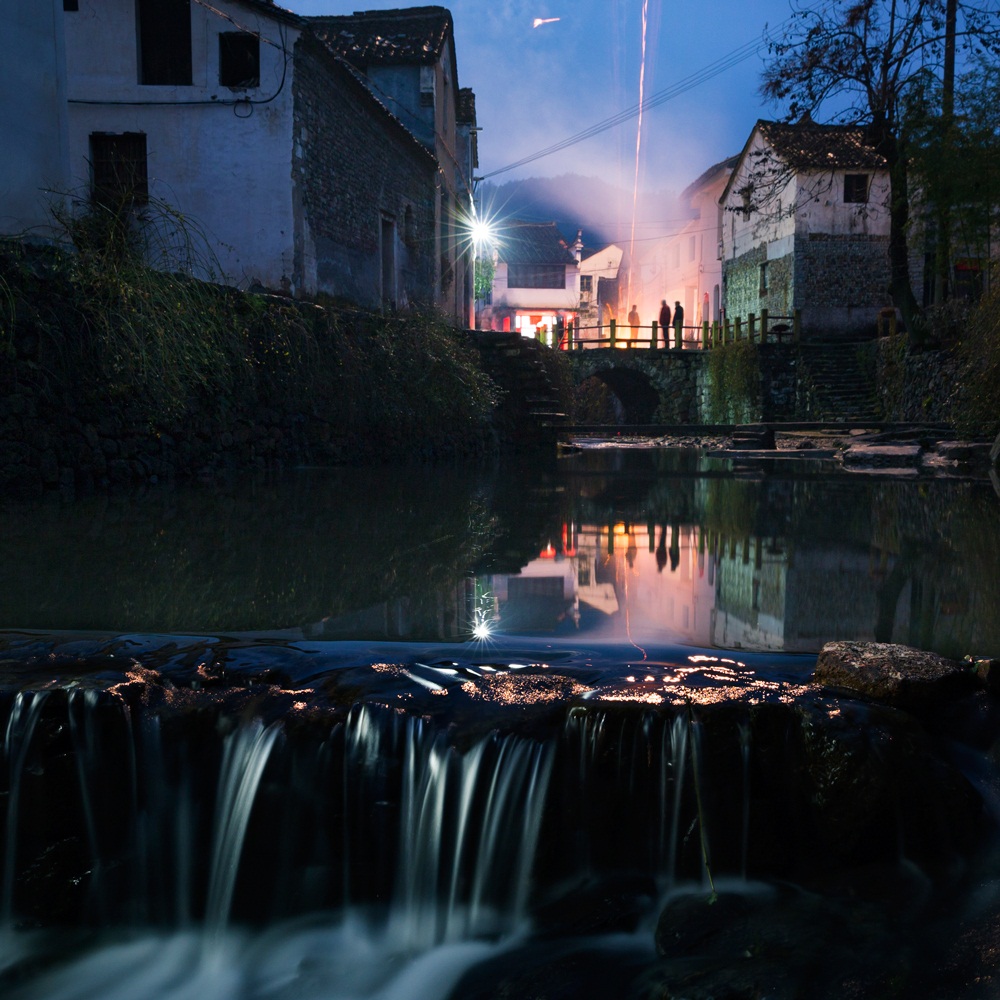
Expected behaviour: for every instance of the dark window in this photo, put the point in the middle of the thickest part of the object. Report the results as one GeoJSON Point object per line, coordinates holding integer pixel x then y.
{"type": "Point", "coordinates": [239, 59]}
{"type": "Point", "coordinates": [164, 42]}
{"type": "Point", "coordinates": [586, 282]}
{"type": "Point", "coordinates": [536, 276]}
{"type": "Point", "coordinates": [118, 169]}
{"type": "Point", "coordinates": [71, 4]}
{"type": "Point", "coordinates": [856, 187]}
{"type": "Point", "coordinates": [763, 278]}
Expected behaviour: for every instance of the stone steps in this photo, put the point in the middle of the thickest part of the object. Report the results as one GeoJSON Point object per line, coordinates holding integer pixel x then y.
{"type": "Point", "coordinates": [531, 407]}
{"type": "Point", "coordinates": [838, 383]}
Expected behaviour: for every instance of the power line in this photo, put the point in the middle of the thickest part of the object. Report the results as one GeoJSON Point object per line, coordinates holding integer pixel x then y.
{"type": "Point", "coordinates": [726, 62]}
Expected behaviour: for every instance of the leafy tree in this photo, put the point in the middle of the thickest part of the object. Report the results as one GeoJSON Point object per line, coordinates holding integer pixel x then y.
{"type": "Point", "coordinates": [485, 269]}
{"type": "Point", "coordinates": [957, 158]}
{"type": "Point", "coordinates": [857, 61]}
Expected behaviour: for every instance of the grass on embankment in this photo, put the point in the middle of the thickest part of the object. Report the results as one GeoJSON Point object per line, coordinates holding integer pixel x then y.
{"type": "Point", "coordinates": [95, 324]}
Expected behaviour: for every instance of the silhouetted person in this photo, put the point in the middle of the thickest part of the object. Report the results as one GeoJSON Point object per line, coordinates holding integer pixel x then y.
{"type": "Point", "coordinates": [633, 321]}
{"type": "Point", "coordinates": [675, 539]}
{"type": "Point", "coordinates": [665, 322]}
{"type": "Point", "coordinates": [678, 323]}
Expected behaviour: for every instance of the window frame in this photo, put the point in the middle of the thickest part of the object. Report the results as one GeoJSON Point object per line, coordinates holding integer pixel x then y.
{"type": "Point", "coordinates": [232, 52]}
{"type": "Point", "coordinates": [852, 185]}
{"type": "Point", "coordinates": [114, 162]}
{"type": "Point", "coordinates": [536, 275]}
{"type": "Point", "coordinates": [164, 36]}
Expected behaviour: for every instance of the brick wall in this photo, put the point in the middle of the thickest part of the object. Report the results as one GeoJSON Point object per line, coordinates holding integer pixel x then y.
{"type": "Point", "coordinates": [353, 166]}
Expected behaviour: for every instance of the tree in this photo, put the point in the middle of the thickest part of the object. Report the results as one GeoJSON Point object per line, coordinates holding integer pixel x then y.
{"type": "Point", "coordinates": [857, 61]}
{"type": "Point", "coordinates": [956, 154]}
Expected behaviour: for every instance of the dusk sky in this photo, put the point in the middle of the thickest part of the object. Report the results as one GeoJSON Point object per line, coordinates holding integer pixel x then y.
{"type": "Point", "coordinates": [537, 86]}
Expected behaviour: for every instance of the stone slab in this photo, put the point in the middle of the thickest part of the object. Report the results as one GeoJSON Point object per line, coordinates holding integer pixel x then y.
{"type": "Point", "coordinates": [883, 455]}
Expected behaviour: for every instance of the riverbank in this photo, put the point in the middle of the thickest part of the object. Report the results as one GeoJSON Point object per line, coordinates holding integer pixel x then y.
{"type": "Point", "coordinates": [114, 375]}
{"type": "Point", "coordinates": [903, 450]}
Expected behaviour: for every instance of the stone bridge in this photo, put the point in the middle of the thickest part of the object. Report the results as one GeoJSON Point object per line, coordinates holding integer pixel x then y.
{"type": "Point", "coordinates": [653, 386]}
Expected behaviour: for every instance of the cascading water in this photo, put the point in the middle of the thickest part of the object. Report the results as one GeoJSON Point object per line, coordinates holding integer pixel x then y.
{"type": "Point", "coordinates": [275, 850]}
{"type": "Point", "coordinates": [19, 731]}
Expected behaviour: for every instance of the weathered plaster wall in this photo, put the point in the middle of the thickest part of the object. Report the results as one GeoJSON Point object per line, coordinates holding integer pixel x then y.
{"type": "Point", "coordinates": [35, 160]}
{"type": "Point", "coordinates": [225, 166]}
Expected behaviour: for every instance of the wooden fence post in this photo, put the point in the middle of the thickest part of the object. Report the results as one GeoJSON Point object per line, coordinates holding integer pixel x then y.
{"type": "Point", "coordinates": [739, 328]}
{"type": "Point", "coordinates": [704, 334]}
{"type": "Point", "coordinates": [726, 331]}
{"type": "Point", "coordinates": [654, 329]}
{"type": "Point", "coordinates": [763, 326]}
{"type": "Point", "coordinates": [716, 333]}
{"type": "Point", "coordinates": [614, 329]}
{"type": "Point", "coordinates": [678, 337]}
{"type": "Point", "coordinates": [751, 327]}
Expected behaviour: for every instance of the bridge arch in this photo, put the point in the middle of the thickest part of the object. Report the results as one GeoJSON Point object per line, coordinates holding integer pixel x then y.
{"type": "Point", "coordinates": [649, 386]}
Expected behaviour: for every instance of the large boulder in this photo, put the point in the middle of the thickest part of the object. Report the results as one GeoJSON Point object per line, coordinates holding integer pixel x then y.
{"type": "Point", "coordinates": [900, 675]}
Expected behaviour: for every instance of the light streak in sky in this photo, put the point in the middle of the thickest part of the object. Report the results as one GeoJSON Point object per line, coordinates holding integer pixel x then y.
{"type": "Point", "coordinates": [544, 20]}
{"type": "Point", "coordinates": [638, 143]}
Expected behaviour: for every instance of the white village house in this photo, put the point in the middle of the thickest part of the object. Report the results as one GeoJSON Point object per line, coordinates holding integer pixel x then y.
{"type": "Point", "coordinates": [599, 288]}
{"type": "Point", "coordinates": [536, 284]}
{"type": "Point", "coordinates": [685, 266]}
{"type": "Point", "coordinates": [225, 128]}
{"type": "Point", "coordinates": [805, 225]}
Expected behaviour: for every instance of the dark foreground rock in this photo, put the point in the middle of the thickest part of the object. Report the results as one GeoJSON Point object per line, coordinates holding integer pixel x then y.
{"type": "Point", "coordinates": [893, 673]}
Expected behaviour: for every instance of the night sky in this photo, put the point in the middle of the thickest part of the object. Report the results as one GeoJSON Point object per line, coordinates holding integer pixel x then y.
{"type": "Point", "coordinates": [537, 86]}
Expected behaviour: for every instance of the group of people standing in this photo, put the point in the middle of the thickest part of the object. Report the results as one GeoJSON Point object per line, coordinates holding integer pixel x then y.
{"type": "Point", "coordinates": [665, 322]}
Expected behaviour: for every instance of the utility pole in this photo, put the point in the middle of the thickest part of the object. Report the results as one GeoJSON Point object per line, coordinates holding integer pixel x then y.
{"type": "Point", "coordinates": [942, 276]}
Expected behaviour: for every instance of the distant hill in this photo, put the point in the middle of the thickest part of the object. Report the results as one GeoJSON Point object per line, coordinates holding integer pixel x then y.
{"type": "Point", "coordinates": [575, 202]}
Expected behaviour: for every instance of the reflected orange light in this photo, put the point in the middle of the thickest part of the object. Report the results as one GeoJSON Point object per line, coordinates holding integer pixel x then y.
{"type": "Point", "coordinates": [549, 552]}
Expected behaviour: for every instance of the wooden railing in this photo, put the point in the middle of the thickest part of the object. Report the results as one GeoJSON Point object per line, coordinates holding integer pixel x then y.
{"type": "Point", "coordinates": [760, 329]}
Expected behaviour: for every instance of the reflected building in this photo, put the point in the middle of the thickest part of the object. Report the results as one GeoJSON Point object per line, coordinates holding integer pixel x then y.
{"type": "Point", "coordinates": [616, 582]}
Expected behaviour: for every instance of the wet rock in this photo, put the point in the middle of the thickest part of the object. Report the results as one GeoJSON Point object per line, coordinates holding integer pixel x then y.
{"type": "Point", "coordinates": [774, 942]}
{"type": "Point", "coordinates": [883, 455]}
{"type": "Point", "coordinates": [899, 675]}
{"type": "Point", "coordinates": [876, 784]}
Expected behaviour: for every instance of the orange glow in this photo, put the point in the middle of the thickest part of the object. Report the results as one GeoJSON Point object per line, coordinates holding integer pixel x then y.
{"type": "Point", "coordinates": [549, 552]}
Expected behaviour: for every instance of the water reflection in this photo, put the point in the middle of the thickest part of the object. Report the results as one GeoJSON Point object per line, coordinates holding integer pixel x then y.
{"type": "Point", "coordinates": [630, 547]}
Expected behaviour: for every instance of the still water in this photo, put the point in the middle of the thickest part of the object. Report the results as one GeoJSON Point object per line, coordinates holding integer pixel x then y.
{"type": "Point", "coordinates": [624, 547]}
{"type": "Point", "coordinates": [522, 777]}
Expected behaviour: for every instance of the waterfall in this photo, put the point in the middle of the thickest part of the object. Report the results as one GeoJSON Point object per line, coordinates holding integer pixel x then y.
{"type": "Point", "coordinates": [469, 823]}
{"type": "Point", "coordinates": [20, 729]}
{"type": "Point", "coordinates": [246, 753]}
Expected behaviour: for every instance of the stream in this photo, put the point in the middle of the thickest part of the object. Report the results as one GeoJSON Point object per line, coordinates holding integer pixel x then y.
{"type": "Point", "coordinates": [544, 731]}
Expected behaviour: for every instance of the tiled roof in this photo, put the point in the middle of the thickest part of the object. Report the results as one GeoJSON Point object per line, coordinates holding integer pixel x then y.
{"type": "Point", "coordinates": [534, 243]}
{"type": "Point", "coordinates": [722, 167]}
{"type": "Point", "coordinates": [806, 144]}
{"type": "Point", "coordinates": [271, 9]}
{"type": "Point", "coordinates": [385, 37]}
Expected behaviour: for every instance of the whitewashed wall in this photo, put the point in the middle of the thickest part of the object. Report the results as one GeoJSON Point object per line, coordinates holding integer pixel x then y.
{"type": "Point", "coordinates": [225, 166]}
{"type": "Point", "coordinates": [34, 165]}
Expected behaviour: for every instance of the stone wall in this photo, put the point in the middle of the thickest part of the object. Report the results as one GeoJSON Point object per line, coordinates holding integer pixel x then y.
{"type": "Point", "coordinates": [354, 169]}
{"type": "Point", "coordinates": [680, 381]}
{"type": "Point", "coordinates": [741, 283]}
{"type": "Point", "coordinates": [916, 386]}
{"type": "Point", "coordinates": [840, 283]}
{"type": "Point", "coordinates": [72, 439]}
